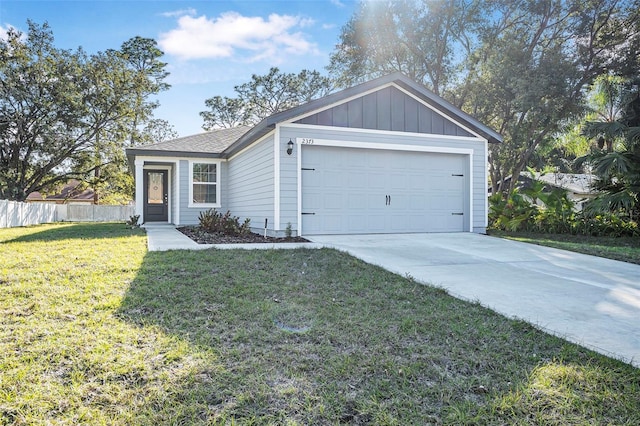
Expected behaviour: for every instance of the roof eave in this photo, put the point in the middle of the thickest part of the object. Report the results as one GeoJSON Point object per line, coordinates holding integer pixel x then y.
{"type": "Point", "coordinates": [255, 133]}
{"type": "Point", "coordinates": [133, 152]}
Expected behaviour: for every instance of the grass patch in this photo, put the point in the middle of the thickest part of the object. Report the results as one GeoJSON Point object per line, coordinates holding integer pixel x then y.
{"type": "Point", "coordinates": [626, 249]}
{"type": "Point", "coordinates": [95, 330]}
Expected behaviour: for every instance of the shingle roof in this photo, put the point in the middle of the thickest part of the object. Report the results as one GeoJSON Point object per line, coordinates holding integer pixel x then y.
{"type": "Point", "coordinates": [213, 142]}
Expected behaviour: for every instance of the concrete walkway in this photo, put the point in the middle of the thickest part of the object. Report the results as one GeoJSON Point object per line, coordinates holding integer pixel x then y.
{"type": "Point", "coordinates": [588, 300]}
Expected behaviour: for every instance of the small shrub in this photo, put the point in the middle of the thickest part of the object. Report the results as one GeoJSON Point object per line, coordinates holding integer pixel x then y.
{"type": "Point", "coordinates": [517, 213]}
{"type": "Point", "coordinates": [606, 225]}
{"type": "Point", "coordinates": [133, 221]}
{"type": "Point", "coordinates": [215, 222]}
{"type": "Point", "coordinates": [288, 232]}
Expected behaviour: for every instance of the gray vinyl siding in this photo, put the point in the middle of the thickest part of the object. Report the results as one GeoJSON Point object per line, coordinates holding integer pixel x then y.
{"type": "Point", "coordinates": [386, 109]}
{"type": "Point", "coordinates": [250, 184]}
{"type": "Point", "coordinates": [288, 164]}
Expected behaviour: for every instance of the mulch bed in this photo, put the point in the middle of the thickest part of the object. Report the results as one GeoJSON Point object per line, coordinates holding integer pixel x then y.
{"type": "Point", "coordinates": [201, 236]}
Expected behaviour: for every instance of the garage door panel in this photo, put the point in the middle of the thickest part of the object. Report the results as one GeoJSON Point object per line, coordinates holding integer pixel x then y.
{"type": "Point", "coordinates": [333, 180]}
{"type": "Point", "coordinates": [357, 201]}
{"type": "Point", "coordinates": [417, 182]}
{"type": "Point", "coordinates": [333, 202]}
{"type": "Point", "coordinates": [418, 202]}
{"type": "Point", "coordinates": [375, 223]}
{"type": "Point", "coordinates": [374, 201]}
{"type": "Point", "coordinates": [398, 181]}
{"type": "Point", "coordinates": [356, 180]}
{"type": "Point", "coordinates": [352, 195]}
{"type": "Point", "coordinates": [376, 161]}
{"type": "Point", "coordinates": [312, 201]}
{"type": "Point", "coordinates": [376, 181]}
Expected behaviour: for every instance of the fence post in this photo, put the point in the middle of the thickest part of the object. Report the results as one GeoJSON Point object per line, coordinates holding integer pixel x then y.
{"type": "Point", "coordinates": [4, 214]}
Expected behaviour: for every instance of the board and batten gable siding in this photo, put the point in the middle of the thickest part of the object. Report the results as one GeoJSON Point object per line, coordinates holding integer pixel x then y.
{"type": "Point", "coordinates": [189, 215]}
{"type": "Point", "coordinates": [386, 109]}
{"type": "Point", "coordinates": [288, 164]}
{"type": "Point", "coordinates": [250, 184]}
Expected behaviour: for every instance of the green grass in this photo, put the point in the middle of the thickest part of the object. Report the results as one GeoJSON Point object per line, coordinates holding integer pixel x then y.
{"type": "Point", "coordinates": [95, 330]}
{"type": "Point", "coordinates": [626, 249]}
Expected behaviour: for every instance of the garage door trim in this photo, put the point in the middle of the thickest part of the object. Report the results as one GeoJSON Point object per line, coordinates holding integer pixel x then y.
{"type": "Point", "coordinates": [300, 142]}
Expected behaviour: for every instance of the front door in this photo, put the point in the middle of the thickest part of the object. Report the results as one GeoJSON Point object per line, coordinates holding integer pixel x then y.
{"type": "Point", "coordinates": [156, 196]}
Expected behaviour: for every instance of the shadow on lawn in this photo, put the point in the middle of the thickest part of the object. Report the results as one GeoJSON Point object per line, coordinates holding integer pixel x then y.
{"type": "Point", "coordinates": [229, 372]}
{"type": "Point", "coordinates": [277, 336]}
{"type": "Point", "coordinates": [75, 231]}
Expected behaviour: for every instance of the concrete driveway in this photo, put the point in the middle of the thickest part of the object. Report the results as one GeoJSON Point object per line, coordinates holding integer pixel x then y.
{"type": "Point", "coordinates": [588, 300]}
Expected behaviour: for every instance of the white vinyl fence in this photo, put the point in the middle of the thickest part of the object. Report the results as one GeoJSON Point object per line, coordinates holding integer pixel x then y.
{"type": "Point", "coordinates": [94, 213]}
{"type": "Point", "coordinates": [13, 213]}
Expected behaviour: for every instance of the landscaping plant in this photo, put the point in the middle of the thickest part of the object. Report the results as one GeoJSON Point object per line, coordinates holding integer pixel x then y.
{"type": "Point", "coordinates": [553, 214]}
{"type": "Point", "coordinates": [216, 222]}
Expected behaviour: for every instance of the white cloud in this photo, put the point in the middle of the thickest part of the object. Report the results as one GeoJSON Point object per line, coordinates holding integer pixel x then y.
{"type": "Point", "coordinates": [182, 12]}
{"type": "Point", "coordinates": [337, 3]}
{"type": "Point", "coordinates": [241, 37]}
{"type": "Point", "coordinates": [4, 30]}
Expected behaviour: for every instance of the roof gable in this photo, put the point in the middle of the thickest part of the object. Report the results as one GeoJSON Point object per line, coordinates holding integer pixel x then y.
{"type": "Point", "coordinates": [387, 109]}
{"type": "Point", "coordinates": [334, 100]}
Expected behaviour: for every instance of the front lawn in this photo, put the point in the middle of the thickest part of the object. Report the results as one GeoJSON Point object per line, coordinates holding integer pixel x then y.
{"type": "Point", "coordinates": [626, 249]}
{"type": "Point", "coordinates": [95, 330]}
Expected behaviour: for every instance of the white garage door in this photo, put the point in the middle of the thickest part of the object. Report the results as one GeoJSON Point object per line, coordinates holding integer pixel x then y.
{"type": "Point", "coordinates": [358, 191]}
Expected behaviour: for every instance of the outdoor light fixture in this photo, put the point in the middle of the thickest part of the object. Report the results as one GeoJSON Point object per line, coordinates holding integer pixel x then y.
{"type": "Point", "coordinates": [289, 146]}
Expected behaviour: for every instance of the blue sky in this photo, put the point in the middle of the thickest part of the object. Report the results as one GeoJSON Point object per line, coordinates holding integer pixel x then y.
{"type": "Point", "coordinates": [210, 46]}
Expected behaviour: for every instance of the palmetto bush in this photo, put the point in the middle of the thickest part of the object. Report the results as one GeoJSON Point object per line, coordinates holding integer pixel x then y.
{"type": "Point", "coordinates": [552, 212]}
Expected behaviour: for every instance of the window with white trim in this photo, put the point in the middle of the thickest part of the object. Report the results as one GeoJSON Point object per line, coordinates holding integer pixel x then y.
{"type": "Point", "coordinates": [204, 184]}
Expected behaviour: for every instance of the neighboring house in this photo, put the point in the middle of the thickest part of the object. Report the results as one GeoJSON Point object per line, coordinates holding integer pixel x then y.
{"type": "Point", "coordinates": [70, 193]}
{"type": "Point", "coordinates": [578, 185]}
{"type": "Point", "coordinates": [386, 156]}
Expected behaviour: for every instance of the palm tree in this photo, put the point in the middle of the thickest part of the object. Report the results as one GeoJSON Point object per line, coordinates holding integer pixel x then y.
{"type": "Point", "coordinates": [616, 159]}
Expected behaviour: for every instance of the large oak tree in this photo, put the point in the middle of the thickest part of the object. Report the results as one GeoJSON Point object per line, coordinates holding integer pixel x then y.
{"type": "Point", "coordinates": [263, 96]}
{"type": "Point", "coordinates": [520, 66]}
{"type": "Point", "coordinates": [67, 114]}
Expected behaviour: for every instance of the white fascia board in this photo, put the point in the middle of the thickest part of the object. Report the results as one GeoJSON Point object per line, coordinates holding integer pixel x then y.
{"type": "Point", "coordinates": [385, 146]}
{"type": "Point", "coordinates": [299, 155]}
{"type": "Point", "coordinates": [486, 182]}
{"type": "Point", "coordinates": [426, 136]}
{"type": "Point", "coordinates": [471, 180]}
{"type": "Point", "coordinates": [177, 195]}
{"type": "Point", "coordinates": [276, 178]}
